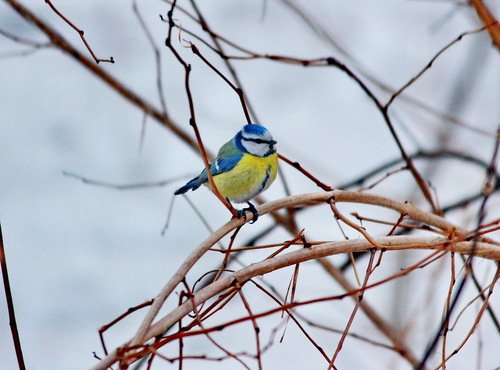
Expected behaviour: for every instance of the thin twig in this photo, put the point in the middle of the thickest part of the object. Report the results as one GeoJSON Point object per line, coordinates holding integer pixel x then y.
{"type": "Point", "coordinates": [354, 311]}
{"type": "Point", "coordinates": [105, 327]}
{"type": "Point", "coordinates": [10, 306]}
{"type": "Point", "coordinates": [204, 24]}
{"type": "Point", "coordinates": [292, 315]}
{"type": "Point", "coordinates": [228, 252]}
{"type": "Point", "coordinates": [156, 51]}
{"type": "Point", "coordinates": [22, 40]}
{"type": "Point", "coordinates": [80, 33]}
{"type": "Point", "coordinates": [236, 89]}
{"type": "Point", "coordinates": [256, 328]}
{"type": "Point", "coordinates": [306, 173]}
{"type": "Point", "coordinates": [447, 307]}
{"type": "Point", "coordinates": [430, 63]}
{"type": "Point", "coordinates": [199, 322]}
{"type": "Point", "coordinates": [134, 186]}
{"type": "Point", "coordinates": [478, 317]}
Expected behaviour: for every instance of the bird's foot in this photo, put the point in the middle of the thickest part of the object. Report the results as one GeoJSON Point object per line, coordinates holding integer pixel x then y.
{"type": "Point", "coordinates": [251, 208]}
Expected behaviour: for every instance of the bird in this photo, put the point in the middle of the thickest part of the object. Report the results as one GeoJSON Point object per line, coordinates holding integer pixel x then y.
{"type": "Point", "coordinates": [245, 166]}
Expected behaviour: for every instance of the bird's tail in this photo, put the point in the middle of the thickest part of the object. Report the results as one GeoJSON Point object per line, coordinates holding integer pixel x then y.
{"type": "Point", "coordinates": [193, 184]}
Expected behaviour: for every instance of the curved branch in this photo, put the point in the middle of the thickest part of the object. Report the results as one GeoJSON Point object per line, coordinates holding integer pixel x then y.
{"type": "Point", "coordinates": [288, 202]}
{"type": "Point", "coordinates": [392, 243]}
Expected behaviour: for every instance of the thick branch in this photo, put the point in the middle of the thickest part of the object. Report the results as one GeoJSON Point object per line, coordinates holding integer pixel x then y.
{"type": "Point", "coordinates": [488, 20]}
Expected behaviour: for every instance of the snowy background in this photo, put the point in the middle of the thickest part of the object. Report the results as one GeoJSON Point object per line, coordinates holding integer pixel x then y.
{"type": "Point", "coordinates": [79, 255]}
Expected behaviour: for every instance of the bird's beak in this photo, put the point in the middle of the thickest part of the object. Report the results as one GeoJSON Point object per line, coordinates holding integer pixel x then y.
{"type": "Point", "coordinates": [272, 142]}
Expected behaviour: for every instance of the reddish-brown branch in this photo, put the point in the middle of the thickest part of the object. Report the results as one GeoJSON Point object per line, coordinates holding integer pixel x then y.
{"type": "Point", "coordinates": [398, 224]}
{"type": "Point", "coordinates": [215, 307]}
{"type": "Point", "coordinates": [287, 244]}
{"type": "Point", "coordinates": [361, 230]}
{"type": "Point", "coordinates": [353, 313]}
{"type": "Point", "coordinates": [323, 33]}
{"type": "Point", "coordinates": [199, 322]}
{"type": "Point", "coordinates": [296, 316]}
{"type": "Point", "coordinates": [80, 33]}
{"type": "Point", "coordinates": [10, 306]}
{"type": "Point", "coordinates": [218, 46]}
{"type": "Point", "coordinates": [105, 327]}
{"type": "Point", "coordinates": [256, 328]}
{"type": "Point", "coordinates": [294, 319]}
{"type": "Point", "coordinates": [447, 307]}
{"type": "Point", "coordinates": [181, 342]}
{"type": "Point", "coordinates": [378, 321]}
{"type": "Point", "coordinates": [228, 252]}
{"type": "Point", "coordinates": [238, 90]}
{"type": "Point", "coordinates": [306, 173]}
{"type": "Point", "coordinates": [488, 20]}
{"type": "Point", "coordinates": [430, 62]}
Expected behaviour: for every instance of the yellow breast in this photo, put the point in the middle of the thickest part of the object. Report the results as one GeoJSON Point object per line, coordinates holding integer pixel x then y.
{"type": "Point", "coordinates": [248, 178]}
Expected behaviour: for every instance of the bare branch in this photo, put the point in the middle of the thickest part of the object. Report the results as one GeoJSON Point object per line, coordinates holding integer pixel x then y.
{"type": "Point", "coordinates": [10, 306]}
{"type": "Point", "coordinates": [430, 63]}
{"type": "Point", "coordinates": [80, 33]}
{"type": "Point", "coordinates": [158, 61]}
{"type": "Point", "coordinates": [489, 21]}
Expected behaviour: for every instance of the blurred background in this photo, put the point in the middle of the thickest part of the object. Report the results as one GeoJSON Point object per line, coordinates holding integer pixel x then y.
{"type": "Point", "coordinates": [79, 255]}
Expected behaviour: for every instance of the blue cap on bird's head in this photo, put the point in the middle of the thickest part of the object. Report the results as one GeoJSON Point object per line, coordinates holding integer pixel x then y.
{"type": "Point", "coordinates": [257, 132]}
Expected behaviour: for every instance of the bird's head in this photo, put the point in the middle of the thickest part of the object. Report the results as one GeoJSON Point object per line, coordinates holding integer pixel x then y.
{"type": "Point", "coordinates": [256, 140]}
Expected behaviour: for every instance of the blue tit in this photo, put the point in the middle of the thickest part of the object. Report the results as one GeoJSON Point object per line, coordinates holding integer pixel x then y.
{"type": "Point", "coordinates": [245, 166]}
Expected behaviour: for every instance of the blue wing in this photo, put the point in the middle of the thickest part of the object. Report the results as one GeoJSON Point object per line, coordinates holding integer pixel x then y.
{"type": "Point", "coordinates": [227, 158]}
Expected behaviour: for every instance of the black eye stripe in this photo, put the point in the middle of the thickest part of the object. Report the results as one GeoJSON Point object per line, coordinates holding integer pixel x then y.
{"type": "Point", "coordinates": [258, 141]}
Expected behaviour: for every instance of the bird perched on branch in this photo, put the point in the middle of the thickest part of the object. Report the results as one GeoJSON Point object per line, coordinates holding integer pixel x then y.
{"type": "Point", "coordinates": [245, 166]}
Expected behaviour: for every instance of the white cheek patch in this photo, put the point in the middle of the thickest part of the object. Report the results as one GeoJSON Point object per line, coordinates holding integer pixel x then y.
{"type": "Point", "coordinates": [257, 149]}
